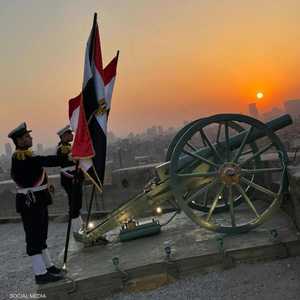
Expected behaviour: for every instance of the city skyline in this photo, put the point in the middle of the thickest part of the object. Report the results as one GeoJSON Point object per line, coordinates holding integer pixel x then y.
{"type": "Point", "coordinates": [290, 106]}
{"type": "Point", "coordinates": [178, 61]}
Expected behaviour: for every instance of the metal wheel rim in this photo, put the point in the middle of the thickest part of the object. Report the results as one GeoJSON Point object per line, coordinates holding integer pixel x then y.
{"type": "Point", "coordinates": [237, 201]}
{"type": "Point", "coordinates": [177, 188]}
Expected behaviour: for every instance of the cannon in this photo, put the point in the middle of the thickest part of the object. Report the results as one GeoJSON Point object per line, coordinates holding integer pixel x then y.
{"type": "Point", "coordinates": [214, 166]}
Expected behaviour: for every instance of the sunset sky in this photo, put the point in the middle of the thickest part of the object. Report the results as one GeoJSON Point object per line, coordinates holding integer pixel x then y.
{"type": "Point", "coordinates": [179, 60]}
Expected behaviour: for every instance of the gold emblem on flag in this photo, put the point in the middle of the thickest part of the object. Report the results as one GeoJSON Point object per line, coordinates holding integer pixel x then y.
{"type": "Point", "coordinates": [102, 109]}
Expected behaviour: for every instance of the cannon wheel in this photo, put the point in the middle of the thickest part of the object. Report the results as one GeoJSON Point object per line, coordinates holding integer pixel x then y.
{"type": "Point", "coordinates": [227, 176]}
{"type": "Point", "coordinates": [204, 206]}
{"type": "Point", "coordinates": [177, 137]}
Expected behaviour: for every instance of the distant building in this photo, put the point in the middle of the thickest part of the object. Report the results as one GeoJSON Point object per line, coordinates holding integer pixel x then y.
{"type": "Point", "coordinates": [39, 148]}
{"type": "Point", "coordinates": [171, 130]}
{"type": "Point", "coordinates": [253, 111]}
{"type": "Point", "coordinates": [8, 149]}
{"type": "Point", "coordinates": [123, 156]}
{"type": "Point", "coordinates": [131, 136]}
{"type": "Point", "coordinates": [151, 132]}
{"type": "Point", "coordinates": [108, 172]}
{"type": "Point", "coordinates": [160, 130]}
{"type": "Point", "coordinates": [274, 113]}
{"type": "Point", "coordinates": [111, 137]}
{"type": "Point", "coordinates": [292, 107]}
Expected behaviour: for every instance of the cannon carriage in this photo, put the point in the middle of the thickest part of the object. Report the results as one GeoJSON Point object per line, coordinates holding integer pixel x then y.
{"type": "Point", "coordinates": [214, 172]}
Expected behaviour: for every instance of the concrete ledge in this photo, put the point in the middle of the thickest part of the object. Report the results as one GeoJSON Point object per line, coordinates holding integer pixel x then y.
{"type": "Point", "coordinates": [144, 265]}
{"type": "Point", "coordinates": [155, 275]}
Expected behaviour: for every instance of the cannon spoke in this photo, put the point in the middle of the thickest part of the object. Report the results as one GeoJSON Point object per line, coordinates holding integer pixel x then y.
{"type": "Point", "coordinates": [259, 187]}
{"type": "Point", "coordinates": [198, 174]}
{"type": "Point", "coordinates": [256, 154]}
{"type": "Point", "coordinates": [202, 134]}
{"type": "Point", "coordinates": [261, 171]}
{"type": "Point", "coordinates": [247, 152]}
{"type": "Point", "coordinates": [212, 148]}
{"type": "Point", "coordinates": [219, 133]}
{"type": "Point", "coordinates": [215, 202]}
{"type": "Point", "coordinates": [205, 198]}
{"type": "Point", "coordinates": [231, 205]}
{"type": "Point", "coordinates": [227, 141]}
{"type": "Point", "coordinates": [199, 157]}
{"type": "Point", "coordinates": [239, 152]}
{"type": "Point", "coordinates": [245, 196]}
{"type": "Point", "coordinates": [191, 146]}
{"type": "Point", "coordinates": [205, 188]}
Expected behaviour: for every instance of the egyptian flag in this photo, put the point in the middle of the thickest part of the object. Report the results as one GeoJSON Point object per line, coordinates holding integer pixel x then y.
{"type": "Point", "coordinates": [110, 72]}
{"type": "Point", "coordinates": [88, 112]}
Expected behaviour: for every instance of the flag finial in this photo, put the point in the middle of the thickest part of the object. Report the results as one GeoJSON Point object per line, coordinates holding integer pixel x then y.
{"type": "Point", "coordinates": [95, 17]}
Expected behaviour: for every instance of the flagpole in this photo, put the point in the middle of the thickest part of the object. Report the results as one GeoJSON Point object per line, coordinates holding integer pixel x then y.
{"type": "Point", "coordinates": [70, 216]}
{"type": "Point", "coordinates": [90, 208]}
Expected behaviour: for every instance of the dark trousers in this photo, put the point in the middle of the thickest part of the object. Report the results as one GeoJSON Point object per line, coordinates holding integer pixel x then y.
{"type": "Point", "coordinates": [74, 198]}
{"type": "Point", "coordinates": [35, 223]}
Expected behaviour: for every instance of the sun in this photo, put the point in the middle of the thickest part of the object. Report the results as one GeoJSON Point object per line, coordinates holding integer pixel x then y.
{"type": "Point", "coordinates": [259, 95]}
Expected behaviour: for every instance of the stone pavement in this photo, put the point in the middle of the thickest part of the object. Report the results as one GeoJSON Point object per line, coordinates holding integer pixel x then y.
{"type": "Point", "coordinates": [143, 264]}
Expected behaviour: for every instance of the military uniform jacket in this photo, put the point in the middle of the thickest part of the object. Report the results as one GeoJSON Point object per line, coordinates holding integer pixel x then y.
{"type": "Point", "coordinates": [68, 166]}
{"type": "Point", "coordinates": [29, 173]}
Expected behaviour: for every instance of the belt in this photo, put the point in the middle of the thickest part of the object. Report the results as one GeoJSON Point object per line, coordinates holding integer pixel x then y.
{"type": "Point", "coordinates": [71, 168]}
{"type": "Point", "coordinates": [65, 172]}
{"type": "Point", "coordinates": [32, 189]}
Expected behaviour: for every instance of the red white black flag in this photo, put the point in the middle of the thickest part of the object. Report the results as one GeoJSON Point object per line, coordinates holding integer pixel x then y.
{"type": "Point", "coordinates": [88, 112]}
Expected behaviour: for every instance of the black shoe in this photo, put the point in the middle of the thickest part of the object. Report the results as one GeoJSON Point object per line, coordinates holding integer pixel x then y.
{"type": "Point", "coordinates": [54, 270]}
{"type": "Point", "coordinates": [46, 278]}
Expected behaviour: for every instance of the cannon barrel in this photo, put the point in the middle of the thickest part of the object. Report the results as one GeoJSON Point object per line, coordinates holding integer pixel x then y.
{"type": "Point", "coordinates": [234, 143]}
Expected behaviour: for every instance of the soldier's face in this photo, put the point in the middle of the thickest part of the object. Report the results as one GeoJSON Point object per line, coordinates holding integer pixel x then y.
{"type": "Point", "coordinates": [67, 137]}
{"type": "Point", "coordinates": [24, 141]}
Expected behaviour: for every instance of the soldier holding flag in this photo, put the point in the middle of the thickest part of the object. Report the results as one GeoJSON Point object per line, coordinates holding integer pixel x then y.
{"type": "Point", "coordinates": [32, 200]}
{"type": "Point", "coordinates": [67, 178]}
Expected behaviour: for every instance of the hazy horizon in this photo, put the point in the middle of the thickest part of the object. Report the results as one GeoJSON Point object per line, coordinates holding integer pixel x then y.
{"type": "Point", "coordinates": [178, 60]}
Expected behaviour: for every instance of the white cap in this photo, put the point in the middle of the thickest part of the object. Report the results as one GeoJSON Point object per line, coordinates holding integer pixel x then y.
{"type": "Point", "coordinates": [18, 131]}
{"type": "Point", "coordinates": [63, 130]}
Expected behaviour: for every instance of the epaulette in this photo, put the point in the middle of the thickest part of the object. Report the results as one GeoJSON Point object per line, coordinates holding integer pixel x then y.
{"type": "Point", "coordinates": [22, 154]}
{"type": "Point", "coordinates": [65, 149]}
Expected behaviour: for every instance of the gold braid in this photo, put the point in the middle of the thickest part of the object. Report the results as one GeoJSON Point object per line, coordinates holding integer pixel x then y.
{"type": "Point", "coordinates": [22, 154]}
{"type": "Point", "coordinates": [65, 149]}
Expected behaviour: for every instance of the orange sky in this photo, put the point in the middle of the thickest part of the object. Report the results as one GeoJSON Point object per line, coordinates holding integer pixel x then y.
{"type": "Point", "coordinates": [179, 60]}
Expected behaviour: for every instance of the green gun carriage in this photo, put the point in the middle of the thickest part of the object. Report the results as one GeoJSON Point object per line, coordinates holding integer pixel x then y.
{"type": "Point", "coordinates": [214, 171]}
